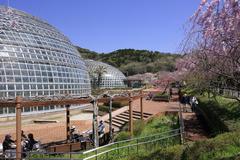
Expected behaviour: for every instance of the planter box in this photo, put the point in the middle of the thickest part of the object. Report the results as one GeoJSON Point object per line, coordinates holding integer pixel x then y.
{"type": "Point", "coordinates": [164, 99]}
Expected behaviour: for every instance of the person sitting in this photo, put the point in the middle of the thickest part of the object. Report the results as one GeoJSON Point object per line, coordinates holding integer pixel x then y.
{"type": "Point", "coordinates": [149, 96]}
{"type": "Point", "coordinates": [23, 135]}
{"type": "Point", "coordinates": [31, 141]}
{"type": "Point", "coordinates": [72, 130]}
{"type": "Point", "coordinates": [8, 143]}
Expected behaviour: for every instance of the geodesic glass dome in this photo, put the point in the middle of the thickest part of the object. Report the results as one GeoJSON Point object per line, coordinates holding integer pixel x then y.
{"type": "Point", "coordinates": [111, 77]}
{"type": "Point", "coordinates": [37, 60]}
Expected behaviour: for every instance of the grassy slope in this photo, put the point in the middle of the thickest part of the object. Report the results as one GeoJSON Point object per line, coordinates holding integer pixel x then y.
{"type": "Point", "coordinates": [156, 125]}
{"type": "Point", "coordinates": [153, 126]}
{"type": "Point", "coordinates": [225, 146]}
{"type": "Point", "coordinates": [221, 111]}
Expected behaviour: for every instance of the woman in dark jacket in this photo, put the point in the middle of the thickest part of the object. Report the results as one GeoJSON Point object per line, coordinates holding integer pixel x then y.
{"type": "Point", "coordinates": [31, 141]}
{"type": "Point", "coordinates": [8, 143]}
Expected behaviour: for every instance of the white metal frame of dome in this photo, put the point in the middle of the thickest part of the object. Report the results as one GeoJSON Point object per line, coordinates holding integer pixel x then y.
{"type": "Point", "coordinates": [111, 78]}
{"type": "Point", "coordinates": [37, 60]}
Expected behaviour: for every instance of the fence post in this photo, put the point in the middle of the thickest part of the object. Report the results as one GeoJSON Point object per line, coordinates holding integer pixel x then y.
{"type": "Point", "coordinates": [18, 128]}
{"type": "Point", "coordinates": [137, 146]}
{"type": "Point", "coordinates": [182, 134]}
{"type": "Point", "coordinates": [96, 156]}
{"type": "Point", "coordinates": [95, 123]}
{"type": "Point", "coordinates": [141, 104]}
{"type": "Point", "coordinates": [118, 150]}
{"type": "Point", "coordinates": [130, 115]}
{"type": "Point", "coordinates": [68, 122]}
{"type": "Point", "coordinates": [110, 118]}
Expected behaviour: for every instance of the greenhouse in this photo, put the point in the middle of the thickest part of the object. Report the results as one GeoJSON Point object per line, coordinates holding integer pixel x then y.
{"type": "Point", "coordinates": [103, 75]}
{"type": "Point", "coordinates": [36, 60]}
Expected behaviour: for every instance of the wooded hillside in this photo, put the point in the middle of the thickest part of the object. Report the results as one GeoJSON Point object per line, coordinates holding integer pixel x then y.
{"type": "Point", "coordinates": [131, 61]}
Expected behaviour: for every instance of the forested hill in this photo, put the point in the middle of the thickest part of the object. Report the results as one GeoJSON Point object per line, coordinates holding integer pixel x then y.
{"type": "Point", "coordinates": [131, 61]}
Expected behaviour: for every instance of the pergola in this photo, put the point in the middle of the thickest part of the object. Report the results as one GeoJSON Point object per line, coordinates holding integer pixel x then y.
{"type": "Point", "coordinates": [20, 102]}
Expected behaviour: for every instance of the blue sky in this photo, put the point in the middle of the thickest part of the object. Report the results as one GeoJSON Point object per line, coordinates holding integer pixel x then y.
{"type": "Point", "coordinates": [107, 25]}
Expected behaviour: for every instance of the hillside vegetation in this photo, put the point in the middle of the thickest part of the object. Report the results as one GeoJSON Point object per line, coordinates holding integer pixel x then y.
{"type": "Point", "coordinates": [222, 115]}
{"type": "Point", "coordinates": [131, 61]}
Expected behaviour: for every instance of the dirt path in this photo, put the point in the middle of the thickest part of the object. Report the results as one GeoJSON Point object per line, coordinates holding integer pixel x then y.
{"type": "Point", "coordinates": [194, 130]}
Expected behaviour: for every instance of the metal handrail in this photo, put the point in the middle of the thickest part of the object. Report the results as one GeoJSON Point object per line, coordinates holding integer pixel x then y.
{"type": "Point", "coordinates": [175, 132]}
{"type": "Point", "coordinates": [181, 122]}
{"type": "Point", "coordinates": [131, 145]}
{"type": "Point", "coordinates": [128, 140]}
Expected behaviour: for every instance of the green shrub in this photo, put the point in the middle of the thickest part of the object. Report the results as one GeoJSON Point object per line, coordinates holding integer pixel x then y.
{"type": "Point", "coordinates": [138, 127]}
{"type": "Point", "coordinates": [161, 97]}
{"type": "Point", "coordinates": [209, 113]}
{"type": "Point", "coordinates": [225, 145]}
{"type": "Point", "coordinates": [221, 114]}
{"type": "Point", "coordinates": [124, 135]}
{"type": "Point", "coordinates": [103, 108]}
{"type": "Point", "coordinates": [169, 153]}
{"type": "Point", "coordinates": [117, 104]}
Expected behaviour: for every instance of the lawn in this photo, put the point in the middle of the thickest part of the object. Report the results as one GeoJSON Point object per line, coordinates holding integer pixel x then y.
{"type": "Point", "coordinates": [223, 114]}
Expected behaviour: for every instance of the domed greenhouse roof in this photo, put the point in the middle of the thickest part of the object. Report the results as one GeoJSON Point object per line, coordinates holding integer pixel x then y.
{"type": "Point", "coordinates": [105, 75]}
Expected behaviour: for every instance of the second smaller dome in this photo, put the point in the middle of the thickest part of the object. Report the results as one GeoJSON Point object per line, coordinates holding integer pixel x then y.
{"type": "Point", "coordinates": [103, 75]}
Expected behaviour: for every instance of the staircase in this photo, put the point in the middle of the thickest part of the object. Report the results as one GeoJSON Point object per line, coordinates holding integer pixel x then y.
{"type": "Point", "coordinates": [118, 121]}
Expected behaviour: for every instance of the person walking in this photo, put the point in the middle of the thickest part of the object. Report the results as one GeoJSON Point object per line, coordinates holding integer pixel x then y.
{"type": "Point", "coordinates": [194, 103]}
{"type": "Point", "coordinates": [184, 102]}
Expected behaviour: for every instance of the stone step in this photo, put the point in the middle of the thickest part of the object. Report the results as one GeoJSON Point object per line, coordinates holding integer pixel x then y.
{"type": "Point", "coordinates": [121, 119]}
{"type": "Point", "coordinates": [116, 121]}
{"type": "Point", "coordinates": [123, 116]}
{"type": "Point", "coordinates": [115, 124]}
{"type": "Point", "coordinates": [126, 116]}
{"type": "Point", "coordinates": [139, 114]}
{"type": "Point", "coordinates": [144, 113]}
{"type": "Point", "coordinates": [134, 116]}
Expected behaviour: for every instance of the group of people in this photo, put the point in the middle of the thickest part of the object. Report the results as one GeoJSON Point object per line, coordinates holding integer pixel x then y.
{"type": "Point", "coordinates": [75, 136]}
{"type": "Point", "coordinates": [27, 141]}
{"type": "Point", "coordinates": [191, 100]}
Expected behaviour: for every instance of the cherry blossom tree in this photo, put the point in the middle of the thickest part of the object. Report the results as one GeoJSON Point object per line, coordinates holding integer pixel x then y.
{"type": "Point", "coordinates": [213, 43]}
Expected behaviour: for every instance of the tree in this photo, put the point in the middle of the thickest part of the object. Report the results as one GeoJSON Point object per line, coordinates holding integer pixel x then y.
{"type": "Point", "coordinates": [99, 71]}
{"type": "Point", "coordinates": [213, 43]}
